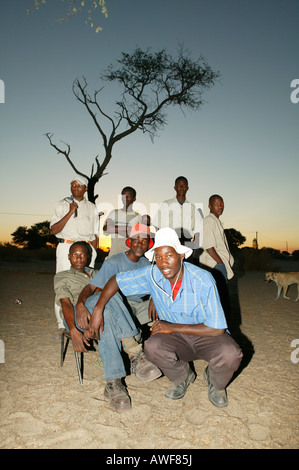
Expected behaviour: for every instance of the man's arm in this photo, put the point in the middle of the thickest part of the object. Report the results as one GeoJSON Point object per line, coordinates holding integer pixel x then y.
{"type": "Point", "coordinates": [78, 339]}
{"type": "Point", "coordinates": [213, 253]}
{"type": "Point", "coordinates": [96, 320]}
{"type": "Point", "coordinates": [194, 243]}
{"type": "Point", "coordinates": [58, 226]}
{"type": "Point", "coordinates": [110, 228]}
{"type": "Point", "coordinates": [95, 243]}
{"type": "Point", "coordinates": [152, 312]}
{"type": "Point", "coordinates": [83, 315]}
{"type": "Point", "coordinates": [199, 329]}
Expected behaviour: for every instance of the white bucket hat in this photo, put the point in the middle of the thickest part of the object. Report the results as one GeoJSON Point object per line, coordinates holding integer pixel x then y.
{"type": "Point", "coordinates": [168, 237]}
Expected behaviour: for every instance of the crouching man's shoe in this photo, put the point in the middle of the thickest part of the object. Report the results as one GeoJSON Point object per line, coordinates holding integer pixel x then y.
{"type": "Point", "coordinates": [174, 392]}
{"type": "Point", "coordinates": [142, 368]}
{"type": "Point", "coordinates": [117, 393]}
{"type": "Point", "coordinates": [216, 396]}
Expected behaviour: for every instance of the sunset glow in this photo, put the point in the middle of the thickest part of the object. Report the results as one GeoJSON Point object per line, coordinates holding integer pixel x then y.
{"type": "Point", "coordinates": [105, 243]}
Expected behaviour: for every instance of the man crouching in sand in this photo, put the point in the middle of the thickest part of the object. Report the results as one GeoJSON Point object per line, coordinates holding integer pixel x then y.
{"type": "Point", "coordinates": [190, 322]}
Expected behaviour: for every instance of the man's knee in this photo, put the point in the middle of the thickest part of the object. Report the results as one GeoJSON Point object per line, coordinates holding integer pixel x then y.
{"type": "Point", "coordinates": [232, 355]}
{"type": "Point", "coordinates": [152, 346]}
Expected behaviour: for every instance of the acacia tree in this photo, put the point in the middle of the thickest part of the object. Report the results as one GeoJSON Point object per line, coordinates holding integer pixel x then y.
{"type": "Point", "coordinates": [234, 238]}
{"type": "Point", "coordinates": [38, 235]}
{"type": "Point", "coordinates": [151, 82]}
{"type": "Point", "coordinates": [75, 7]}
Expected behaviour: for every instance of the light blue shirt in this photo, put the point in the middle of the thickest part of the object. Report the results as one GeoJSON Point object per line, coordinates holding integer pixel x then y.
{"type": "Point", "coordinates": [197, 300]}
{"type": "Point", "coordinates": [116, 264]}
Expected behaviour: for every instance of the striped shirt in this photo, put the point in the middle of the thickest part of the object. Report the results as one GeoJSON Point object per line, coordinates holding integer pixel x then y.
{"type": "Point", "coordinates": [196, 302]}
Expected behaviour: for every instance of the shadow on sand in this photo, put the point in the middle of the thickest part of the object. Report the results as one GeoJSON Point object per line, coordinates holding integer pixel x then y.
{"type": "Point", "coordinates": [229, 296]}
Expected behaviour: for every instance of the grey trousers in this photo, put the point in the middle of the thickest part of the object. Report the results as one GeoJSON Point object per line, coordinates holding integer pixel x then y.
{"type": "Point", "coordinates": [171, 353]}
{"type": "Point", "coordinates": [139, 310]}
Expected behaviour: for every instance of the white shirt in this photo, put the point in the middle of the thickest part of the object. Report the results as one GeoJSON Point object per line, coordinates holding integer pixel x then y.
{"type": "Point", "coordinates": [214, 236]}
{"type": "Point", "coordinates": [179, 216]}
{"type": "Point", "coordinates": [84, 227]}
{"type": "Point", "coordinates": [121, 218]}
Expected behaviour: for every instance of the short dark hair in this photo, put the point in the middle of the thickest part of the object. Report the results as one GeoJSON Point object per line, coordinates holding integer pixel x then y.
{"type": "Point", "coordinates": [213, 197]}
{"type": "Point", "coordinates": [88, 249]}
{"type": "Point", "coordinates": [181, 178]}
{"type": "Point", "coordinates": [129, 188]}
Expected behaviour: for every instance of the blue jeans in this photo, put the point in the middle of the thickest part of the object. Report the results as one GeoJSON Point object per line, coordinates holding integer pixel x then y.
{"type": "Point", "coordinates": [118, 324]}
{"type": "Point", "coordinates": [222, 269]}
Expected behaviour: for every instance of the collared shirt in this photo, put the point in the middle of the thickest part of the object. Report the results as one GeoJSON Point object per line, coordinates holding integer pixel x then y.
{"type": "Point", "coordinates": [69, 283]}
{"type": "Point", "coordinates": [214, 236]}
{"type": "Point", "coordinates": [116, 264]}
{"type": "Point", "coordinates": [196, 302]}
{"type": "Point", "coordinates": [184, 218]}
{"type": "Point", "coordinates": [83, 227]}
{"type": "Point", "coordinates": [121, 218]}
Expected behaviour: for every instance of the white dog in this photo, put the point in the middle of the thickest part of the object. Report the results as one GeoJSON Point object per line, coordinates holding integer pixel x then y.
{"type": "Point", "coordinates": [283, 281]}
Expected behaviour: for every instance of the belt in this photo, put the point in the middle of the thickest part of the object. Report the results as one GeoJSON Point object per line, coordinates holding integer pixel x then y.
{"type": "Point", "coordinates": [62, 240]}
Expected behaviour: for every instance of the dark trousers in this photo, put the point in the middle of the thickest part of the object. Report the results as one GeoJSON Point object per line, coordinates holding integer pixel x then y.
{"type": "Point", "coordinates": [171, 353]}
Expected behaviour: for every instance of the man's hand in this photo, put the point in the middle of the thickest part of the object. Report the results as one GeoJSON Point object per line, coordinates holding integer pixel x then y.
{"type": "Point", "coordinates": [73, 207]}
{"type": "Point", "coordinates": [161, 326]}
{"type": "Point", "coordinates": [213, 253]}
{"type": "Point", "coordinates": [83, 316]}
{"type": "Point", "coordinates": [96, 325]}
{"type": "Point", "coordinates": [78, 340]}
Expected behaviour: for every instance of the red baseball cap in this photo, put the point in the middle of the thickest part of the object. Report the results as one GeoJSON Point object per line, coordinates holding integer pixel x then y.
{"type": "Point", "coordinates": [140, 229]}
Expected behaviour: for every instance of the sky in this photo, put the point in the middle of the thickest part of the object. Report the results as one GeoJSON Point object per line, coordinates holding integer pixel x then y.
{"type": "Point", "coordinates": [241, 144]}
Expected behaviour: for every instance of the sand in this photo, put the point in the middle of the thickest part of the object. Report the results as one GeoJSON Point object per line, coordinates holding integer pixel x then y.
{"type": "Point", "coordinates": [43, 406]}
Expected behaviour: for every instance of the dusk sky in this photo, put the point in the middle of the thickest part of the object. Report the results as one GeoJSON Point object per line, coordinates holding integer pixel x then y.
{"type": "Point", "coordinates": [242, 143]}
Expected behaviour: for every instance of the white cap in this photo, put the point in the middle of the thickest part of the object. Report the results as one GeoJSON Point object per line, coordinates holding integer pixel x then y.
{"type": "Point", "coordinates": [80, 179]}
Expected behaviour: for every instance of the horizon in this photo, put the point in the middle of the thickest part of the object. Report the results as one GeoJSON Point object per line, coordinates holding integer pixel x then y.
{"type": "Point", "coordinates": [242, 143]}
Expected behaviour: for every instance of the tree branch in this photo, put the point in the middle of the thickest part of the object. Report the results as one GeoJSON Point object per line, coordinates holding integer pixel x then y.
{"type": "Point", "coordinates": [66, 153]}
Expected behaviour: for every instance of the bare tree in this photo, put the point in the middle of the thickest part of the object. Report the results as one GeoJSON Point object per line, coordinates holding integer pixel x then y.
{"type": "Point", "coordinates": [150, 83]}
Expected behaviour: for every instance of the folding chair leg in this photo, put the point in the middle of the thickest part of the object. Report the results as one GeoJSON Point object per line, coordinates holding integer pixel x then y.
{"type": "Point", "coordinates": [63, 349]}
{"type": "Point", "coordinates": [79, 366]}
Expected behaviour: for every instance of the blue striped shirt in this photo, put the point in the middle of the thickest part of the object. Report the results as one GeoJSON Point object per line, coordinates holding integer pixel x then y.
{"type": "Point", "coordinates": [197, 300]}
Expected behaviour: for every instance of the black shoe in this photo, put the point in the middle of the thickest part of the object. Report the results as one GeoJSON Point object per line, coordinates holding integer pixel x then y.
{"type": "Point", "coordinates": [174, 392]}
{"type": "Point", "coordinates": [217, 397]}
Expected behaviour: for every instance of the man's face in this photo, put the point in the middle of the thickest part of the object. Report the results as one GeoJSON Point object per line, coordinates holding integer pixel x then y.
{"type": "Point", "coordinates": [181, 188]}
{"type": "Point", "coordinates": [217, 207]}
{"type": "Point", "coordinates": [139, 244]}
{"type": "Point", "coordinates": [127, 198]}
{"type": "Point", "coordinates": [78, 190]}
{"type": "Point", "coordinates": [78, 256]}
{"type": "Point", "coordinates": [169, 262]}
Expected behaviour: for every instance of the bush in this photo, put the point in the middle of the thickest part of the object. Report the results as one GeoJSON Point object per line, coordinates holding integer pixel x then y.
{"type": "Point", "coordinates": [12, 253]}
{"type": "Point", "coordinates": [255, 260]}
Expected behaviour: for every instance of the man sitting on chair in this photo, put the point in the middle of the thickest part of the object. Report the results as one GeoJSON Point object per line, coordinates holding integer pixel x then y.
{"type": "Point", "coordinates": [69, 284]}
{"type": "Point", "coordinates": [120, 328]}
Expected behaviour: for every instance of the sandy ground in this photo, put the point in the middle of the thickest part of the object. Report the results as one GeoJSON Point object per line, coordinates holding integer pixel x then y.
{"type": "Point", "coordinates": [44, 406]}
